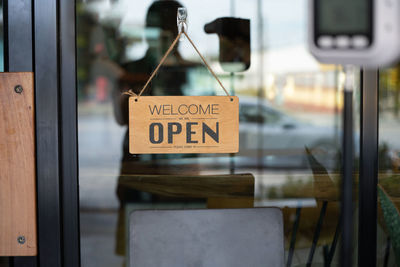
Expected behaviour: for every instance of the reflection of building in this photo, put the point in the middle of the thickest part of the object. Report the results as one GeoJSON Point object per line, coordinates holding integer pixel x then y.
{"type": "Point", "coordinates": [320, 87]}
{"type": "Point", "coordinates": [293, 78]}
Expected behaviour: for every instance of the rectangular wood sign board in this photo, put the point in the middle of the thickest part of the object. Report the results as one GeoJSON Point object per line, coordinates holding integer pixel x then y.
{"type": "Point", "coordinates": [183, 124]}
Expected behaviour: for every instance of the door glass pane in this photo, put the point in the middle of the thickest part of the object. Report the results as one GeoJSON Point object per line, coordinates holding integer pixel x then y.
{"type": "Point", "coordinates": [289, 104]}
{"type": "Point", "coordinates": [389, 167]}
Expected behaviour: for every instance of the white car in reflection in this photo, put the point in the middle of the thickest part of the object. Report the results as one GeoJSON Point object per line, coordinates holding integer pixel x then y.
{"type": "Point", "coordinates": [274, 139]}
{"type": "Point", "coordinates": [268, 138]}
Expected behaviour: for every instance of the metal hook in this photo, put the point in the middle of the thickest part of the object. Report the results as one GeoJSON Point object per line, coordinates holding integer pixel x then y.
{"type": "Point", "coordinates": [181, 21]}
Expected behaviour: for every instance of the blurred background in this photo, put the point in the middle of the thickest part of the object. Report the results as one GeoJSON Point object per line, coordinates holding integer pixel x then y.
{"type": "Point", "coordinates": [288, 102]}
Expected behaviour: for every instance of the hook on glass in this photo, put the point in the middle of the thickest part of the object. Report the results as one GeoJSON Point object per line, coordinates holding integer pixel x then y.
{"type": "Point", "coordinates": [181, 21]}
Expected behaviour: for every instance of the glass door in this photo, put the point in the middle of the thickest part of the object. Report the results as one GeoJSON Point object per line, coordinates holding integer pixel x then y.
{"type": "Point", "coordinates": [290, 119]}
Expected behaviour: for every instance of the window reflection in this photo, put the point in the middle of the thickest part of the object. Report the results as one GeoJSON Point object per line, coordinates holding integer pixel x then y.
{"type": "Point", "coordinates": [389, 171]}
{"type": "Point", "coordinates": [288, 102]}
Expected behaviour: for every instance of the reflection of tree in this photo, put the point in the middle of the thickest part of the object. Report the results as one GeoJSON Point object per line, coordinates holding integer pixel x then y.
{"type": "Point", "coordinates": [384, 160]}
{"type": "Point", "coordinates": [390, 219]}
{"type": "Point", "coordinates": [391, 184]}
{"type": "Point", "coordinates": [397, 94]}
{"type": "Point", "coordinates": [389, 90]}
{"type": "Point", "coordinates": [99, 51]}
{"type": "Point", "coordinates": [85, 23]}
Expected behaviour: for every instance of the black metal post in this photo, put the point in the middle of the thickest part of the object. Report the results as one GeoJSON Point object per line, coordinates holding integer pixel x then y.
{"type": "Point", "coordinates": [69, 138]}
{"type": "Point", "coordinates": [346, 210]}
{"type": "Point", "coordinates": [293, 238]}
{"type": "Point", "coordinates": [367, 196]}
{"type": "Point", "coordinates": [335, 240]}
{"type": "Point", "coordinates": [317, 232]}
{"type": "Point", "coordinates": [46, 64]}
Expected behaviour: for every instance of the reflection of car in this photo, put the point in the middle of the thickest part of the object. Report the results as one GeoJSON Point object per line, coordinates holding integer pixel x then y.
{"type": "Point", "coordinates": [267, 138]}
{"type": "Point", "coordinates": [279, 139]}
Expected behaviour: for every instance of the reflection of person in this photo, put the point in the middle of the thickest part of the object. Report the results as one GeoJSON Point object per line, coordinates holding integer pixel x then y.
{"type": "Point", "coordinates": [170, 79]}
{"type": "Point", "coordinates": [161, 18]}
{"type": "Point", "coordinates": [104, 72]}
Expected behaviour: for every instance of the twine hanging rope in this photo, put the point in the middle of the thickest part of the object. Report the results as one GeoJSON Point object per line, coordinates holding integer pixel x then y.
{"type": "Point", "coordinates": [131, 93]}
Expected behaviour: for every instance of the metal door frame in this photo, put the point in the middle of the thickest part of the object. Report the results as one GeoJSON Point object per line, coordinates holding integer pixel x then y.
{"type": "Point", "coordinates": [40, 37]}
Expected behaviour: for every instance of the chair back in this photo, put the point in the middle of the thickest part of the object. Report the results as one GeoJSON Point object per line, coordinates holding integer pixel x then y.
{"type": "Point", "coordinates": [206, 238]}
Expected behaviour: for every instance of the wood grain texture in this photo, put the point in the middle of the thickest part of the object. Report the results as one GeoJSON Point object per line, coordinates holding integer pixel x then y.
{"type": "Point", "coordinates": [17, 166]}
{"type": "Point", "coordinates": [183, 124]}
{"type": "Point", "coordinates": [230, 203]}
{"type": "Point", "coordinates": [196, 186]}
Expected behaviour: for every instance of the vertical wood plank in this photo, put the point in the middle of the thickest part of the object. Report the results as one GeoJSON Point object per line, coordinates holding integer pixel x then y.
{"type": "Point", "coordinates": [17, 166]}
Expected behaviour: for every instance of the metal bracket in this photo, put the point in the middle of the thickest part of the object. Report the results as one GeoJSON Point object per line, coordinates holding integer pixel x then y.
{"type": "Point", "coordinates": [181, 21]}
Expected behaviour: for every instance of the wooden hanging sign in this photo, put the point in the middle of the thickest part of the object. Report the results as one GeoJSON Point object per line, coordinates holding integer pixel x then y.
{"type": "Point", "coordinates": [183, 124]}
